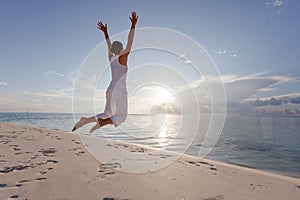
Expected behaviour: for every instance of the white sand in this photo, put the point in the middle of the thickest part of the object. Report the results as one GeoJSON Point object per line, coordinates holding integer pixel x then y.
{"type": "Point", "coordinates": [41, 164]}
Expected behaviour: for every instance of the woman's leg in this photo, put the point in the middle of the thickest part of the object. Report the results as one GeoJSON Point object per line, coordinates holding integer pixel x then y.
{"type": "Point", "coordinates": [109, 105]}
{"type": "Point", "coordinates": [101, 123]}
{"type": "Point", "coordinates": [121, 107]}
{"type": "Point", "coordinates": [107, 113]}
{"type": "Point", "coordinates": [106, 121]}
{"type": "Point", "coordinates": [120, 115]}
{"type": "Point", "coordinates": [83, 121]}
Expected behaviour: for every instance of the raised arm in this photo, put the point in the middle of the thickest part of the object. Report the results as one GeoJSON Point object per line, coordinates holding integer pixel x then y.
{"type": "Point", "coordinates": [104, 30]}
{"type": "Point", "coordinates": [133, 20]}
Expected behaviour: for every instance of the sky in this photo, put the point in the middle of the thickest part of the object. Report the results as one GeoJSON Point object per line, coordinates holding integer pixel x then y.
{"type": "Point", "coordinates": [254, 44]}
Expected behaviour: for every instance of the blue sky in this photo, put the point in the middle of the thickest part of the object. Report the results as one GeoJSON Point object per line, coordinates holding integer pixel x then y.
{"type": "Point", "coordinates": [43, 44]}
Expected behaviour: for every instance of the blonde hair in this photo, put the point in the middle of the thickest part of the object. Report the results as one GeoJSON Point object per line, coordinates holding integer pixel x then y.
{"type": "Point", "coordinates": [116, 47]}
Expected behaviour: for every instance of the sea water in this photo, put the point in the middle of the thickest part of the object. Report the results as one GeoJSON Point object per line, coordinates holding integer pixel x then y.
{"type": "Point", "coordinates": [270, 143]}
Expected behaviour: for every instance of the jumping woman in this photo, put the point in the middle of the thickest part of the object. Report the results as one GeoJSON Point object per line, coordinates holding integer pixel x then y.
{"type": "Point", "coordinates": [115, 111]}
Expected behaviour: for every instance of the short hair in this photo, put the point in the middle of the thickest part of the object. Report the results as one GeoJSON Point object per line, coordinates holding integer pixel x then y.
{"type": "Point", "coordinates": [116, 47]}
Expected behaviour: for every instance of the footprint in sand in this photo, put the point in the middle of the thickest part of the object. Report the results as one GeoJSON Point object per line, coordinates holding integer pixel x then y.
{"type": "Point", "coordinates": [14, 136]}
{"type": "Point", "coordinates": [48, 152]}
{"type": "Point", "coordinates": [29, 138]}
{"type": "Point", "coordinates": [52, 161]}
{"type": "Point", "coordinates": [160, 155]}
{"type": "Point", "coordinates": [76, 142]}
{"type": "Point", "coordinates": [255, 187]}
{"type": "Point", "coordinates": [28, 181]}
{"type": "Point", "coordinates": [198, 163]}
{"type": "Point", "coordinates": [26, 152]}
{"type": "Point", "coordinates": [57, 137]}
{"type": "Point", "coordinates": [13, 145]}
{"type": "Point", "coordinates": [205, 163]}
{"type": "Point", "coordinates": [6, 170]}
{"type": "Point", "coordinates": [213, 168]}
{"type": "Point", "coordinates": [78, 149]}
{"type": "Point", "coordinates": [23, 182]}
{"type": "Point", "coordinates": [14, 196]}
{"type": "Point", "coordinates": [5, 141]}
{"type": "Point", "coordinates": [47, 161]}
{"type": "Point", "coordinates": [108, 169]}
{"type": "Point", "coordinates": [34, 157]}
{"type": "Point", "coordinates": [114, 146]}
{"type": "Point", "coordinates": [79, 153]}
{"type": "Point", "coordinates": [42, 172]}
{"type": "Point", "coordinates": [16, 149]}
{"type": "Point", "coordinates": [179, 161]}
{"type": "Point", "coordinates": [41, 178]}
{"type": "Point", "coordinates": [219, 197]}
{"type": "Point", "coordinates": [131, 148]}
{"type": "Point", "coordinates": [4, 186]}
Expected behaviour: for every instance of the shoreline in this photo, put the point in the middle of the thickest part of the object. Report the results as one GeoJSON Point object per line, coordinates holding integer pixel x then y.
{"type": "Point", "coordinates": [281, 173]}
{"type": "Point", "coordinates": [40, 163]}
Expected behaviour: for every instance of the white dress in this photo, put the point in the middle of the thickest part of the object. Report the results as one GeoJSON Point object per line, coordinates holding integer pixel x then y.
{"type": "Point", "coordinates": [116, 94]}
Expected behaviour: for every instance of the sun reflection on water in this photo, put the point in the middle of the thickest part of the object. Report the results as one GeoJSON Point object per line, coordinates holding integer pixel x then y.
{"type": "Point", "coordinates": [169, 131]}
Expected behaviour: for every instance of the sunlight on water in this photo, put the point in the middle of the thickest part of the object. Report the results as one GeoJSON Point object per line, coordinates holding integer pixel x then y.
{"type": "Point", "coordinates": [269, 143]}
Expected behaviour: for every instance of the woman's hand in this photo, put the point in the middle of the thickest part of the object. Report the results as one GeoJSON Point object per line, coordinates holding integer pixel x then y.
{"type": "Point", "coordinates": [133, 18]}
{"type": "Point", "coordinates": [102, 27]}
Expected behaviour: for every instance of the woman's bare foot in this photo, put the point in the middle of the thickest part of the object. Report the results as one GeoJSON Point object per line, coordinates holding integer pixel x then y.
{"type": "Point", "coordinates": [83, 121]}
{"type": "Point", "coordinates": [97, 126]}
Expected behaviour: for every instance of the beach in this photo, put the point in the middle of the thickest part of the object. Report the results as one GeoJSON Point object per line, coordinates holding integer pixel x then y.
{"type": "Point", "coordinates": [38, 163]}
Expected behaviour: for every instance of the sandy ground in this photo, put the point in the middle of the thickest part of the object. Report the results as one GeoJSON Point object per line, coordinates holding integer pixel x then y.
{"type": "Point", "coordinates": [41, 164]}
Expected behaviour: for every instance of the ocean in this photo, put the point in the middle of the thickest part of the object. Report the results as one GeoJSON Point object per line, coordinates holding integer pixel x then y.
{"type": "Point", "coordinates": [270, 143]}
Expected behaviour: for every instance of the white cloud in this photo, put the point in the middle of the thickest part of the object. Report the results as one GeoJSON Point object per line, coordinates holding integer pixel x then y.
{"type": "Point", "coordinates": [287, 104]}
{"type": "Point", "coordinates": [222, 52]}
{"type": "Point", "coordinates": [237, 88]}
{"type": "Point", "coordinates": [84, 82]}
{"type": "Point", "coordinates": [242, 87]}
{"type": "Point", "coordinates": [233, 54]}
{"type": "Point", "coordinates": [56, 100]}
{"type": "Point", "coordinates": [3, 83]}
{"type": "Point", "coordinates": [54, 73]}
{"type": "Point", "coordinates": [289, 97]}
{"type": "Point", "coordinates": [58, 93]}
{"type": "Point", "coordinates": [87, 98]}
{"type": "Point", "coordinates": [72, 76]}
{"type": "Point", "coordinates": [275, 3]}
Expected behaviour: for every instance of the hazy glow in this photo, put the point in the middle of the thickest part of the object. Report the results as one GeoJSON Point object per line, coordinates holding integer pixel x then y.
{"type": "Point", "coordinates": [163, 96]}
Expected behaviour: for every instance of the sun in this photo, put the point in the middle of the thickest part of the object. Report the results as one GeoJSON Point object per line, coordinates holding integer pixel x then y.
{"type": "Point", "coordinates": [163, 96]}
